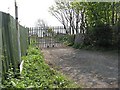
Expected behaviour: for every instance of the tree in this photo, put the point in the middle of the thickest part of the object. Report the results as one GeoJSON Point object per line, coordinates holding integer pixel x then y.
{"type": "Point", "coordinates": [41, 28]}
{"type": "Point", "coordinates": [63, 11]}
{"type": "Point", "coordinates": [87, 16]}
{"type": "Point", "coordinates": [95, 14]}
{"type": "Point", "coordinates": [41, 23]}
{"type": "Point", "coordinates": [76, 8]}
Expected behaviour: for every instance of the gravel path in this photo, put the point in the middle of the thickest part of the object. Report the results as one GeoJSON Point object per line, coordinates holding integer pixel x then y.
{"type": "Point", "coordinates": [91, 69]}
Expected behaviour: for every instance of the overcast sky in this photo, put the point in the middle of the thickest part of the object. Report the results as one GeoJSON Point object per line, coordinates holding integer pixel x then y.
{"type": "Point", "coordinates": [30, 11]}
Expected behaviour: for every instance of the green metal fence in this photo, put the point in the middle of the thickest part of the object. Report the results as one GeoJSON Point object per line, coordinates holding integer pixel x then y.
{"type": "Point", "coordinates": [8, 43]}
{"type": "Point", "coordinates": [23, 39]}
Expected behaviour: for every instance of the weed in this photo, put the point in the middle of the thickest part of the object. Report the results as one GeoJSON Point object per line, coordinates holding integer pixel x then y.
{"type": "Point", "coordinates": [36, 73]}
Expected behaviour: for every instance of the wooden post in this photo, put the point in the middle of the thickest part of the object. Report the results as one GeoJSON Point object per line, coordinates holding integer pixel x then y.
{"type": "Point", "coordinates": [1, 76]}
{"type": "Point", "coordinates": [29, 32]}
{"type": "Point", "coordinates": [18, 33]}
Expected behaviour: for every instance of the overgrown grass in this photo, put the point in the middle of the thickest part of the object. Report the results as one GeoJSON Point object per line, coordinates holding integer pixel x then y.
{"type": "Point", "coordinates": [37, 74]}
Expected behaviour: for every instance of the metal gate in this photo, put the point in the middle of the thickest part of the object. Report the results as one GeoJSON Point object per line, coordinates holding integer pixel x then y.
{"type": "Point", "coordinates": [46, 37]}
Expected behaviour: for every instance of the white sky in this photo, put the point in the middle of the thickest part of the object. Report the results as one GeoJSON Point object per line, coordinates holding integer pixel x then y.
{"type": "Point", "coordinates": [30, 11]}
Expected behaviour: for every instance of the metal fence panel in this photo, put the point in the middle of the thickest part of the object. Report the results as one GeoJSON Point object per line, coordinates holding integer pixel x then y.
{"type": "Point", "coordinates": [8, 42]}
{"type": "Point", "coordinates": [5, 38]}
{"type": "Point", "coordinates": [46, 37]}
{"type": "Point", "coordinates": [13, 42]}
{"type": "Point", "coordinates": [23, 39]}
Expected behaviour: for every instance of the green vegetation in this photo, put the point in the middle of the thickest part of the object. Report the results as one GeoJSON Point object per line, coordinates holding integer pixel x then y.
{"type": "Point", "coordinates": [98, 21]}
{"type": "Point", "coordinates": [66, 39]}
{"type": "Point", "coordinates": [37, 74]}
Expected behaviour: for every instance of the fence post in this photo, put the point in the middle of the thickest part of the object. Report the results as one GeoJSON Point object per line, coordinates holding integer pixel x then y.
{"type": "Point", "coordinates": [0, 50]}
{"type": "Point", "coordinates": [18, 32]}
{"type": "Point", "coordinates": [29, 36]}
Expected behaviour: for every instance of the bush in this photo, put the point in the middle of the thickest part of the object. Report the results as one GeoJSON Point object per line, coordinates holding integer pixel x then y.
{"type": "Point", "coordinates": [66, 39]}
{"type": "Point", "coordinates": [89, 37]}
{"type": "Point", "coordinates": [103, 35]}
{"type": "Point", "coordinates": [116, 34]}
{"type": "Point", "coordinates": [99, 35]}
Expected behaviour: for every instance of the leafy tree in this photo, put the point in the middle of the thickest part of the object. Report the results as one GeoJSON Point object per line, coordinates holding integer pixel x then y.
{"type": "Point", "coordinates": [93, 18]}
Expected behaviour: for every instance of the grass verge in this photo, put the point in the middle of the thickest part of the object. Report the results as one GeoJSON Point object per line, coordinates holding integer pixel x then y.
{"type": "Point", "coordinates": [37, 74]}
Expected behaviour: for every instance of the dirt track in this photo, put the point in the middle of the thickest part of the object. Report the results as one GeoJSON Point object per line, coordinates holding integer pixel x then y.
{"type": "Point", "coordinates": [87, 68]}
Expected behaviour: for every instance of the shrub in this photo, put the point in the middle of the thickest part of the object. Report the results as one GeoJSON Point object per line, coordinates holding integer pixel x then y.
{"type": "Point", "coordinates": [89, 37]}
{"type": "Point", "coordinates": [116, 34]}
{"type": "Point", "coordinates": [103, 35]}
{"type": "Point", "coordinates": [99, 35]}
{"type": "Point", "coordinates": [66, 39]}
